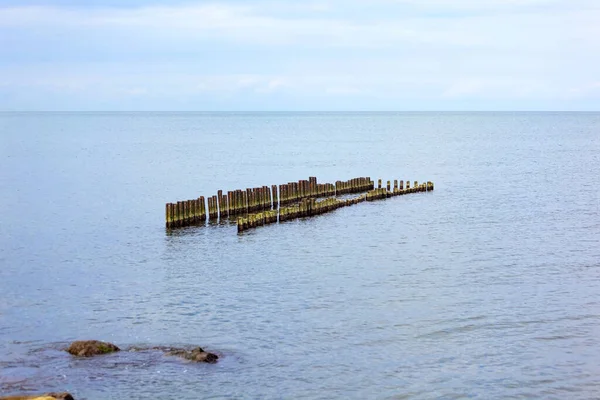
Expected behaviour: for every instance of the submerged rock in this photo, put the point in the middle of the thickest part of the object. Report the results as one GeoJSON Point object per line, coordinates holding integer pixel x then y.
{"type": "Point", "coordinates": [89, 348]}
{"type": "Point", "coordinates": [47, 396]}
{"type": "Point", "coordinates": [196, 355]}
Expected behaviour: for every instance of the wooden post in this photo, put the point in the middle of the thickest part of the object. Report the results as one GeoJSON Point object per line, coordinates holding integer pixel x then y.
{"type": "Point", "coordinates": [186, 212]}
{"type": "Point", "coordinates": [195, 211]}
{"type": "Point", "coordinates": [168, 216]}
{"type": "Point", "coordinates": [215, 207]}
{"type": "Point", "coordinates": [218, 203]}
{"type": "Point", "coordinates": [379, 184]}
{"type": "Point", "coordinates": [224, 206]}
{"type": "Point", "coordinates": [202, 209]}
{"type": "Point", "coordinates": [210, 207]}
{"type": "Point", "coordinates": [244, 202]}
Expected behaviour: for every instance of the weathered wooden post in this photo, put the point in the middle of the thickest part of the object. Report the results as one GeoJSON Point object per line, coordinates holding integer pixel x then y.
{"type": "Point", "coordinates": [168, 216]}
{"type": "Point", "coordinates": [244, 202]}
{"type": "Point", "coordinates": [224, 206]}
{"type": "Point", "coordinates": [275, 198]}
{"type": "Point", "coordinates": [186, 208]}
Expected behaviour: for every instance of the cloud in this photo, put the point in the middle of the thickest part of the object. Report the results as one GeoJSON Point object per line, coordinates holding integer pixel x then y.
{"type": "Point", "coordinates": [326, 51]}
{"type": "Point", "coordinates": [256, 25]}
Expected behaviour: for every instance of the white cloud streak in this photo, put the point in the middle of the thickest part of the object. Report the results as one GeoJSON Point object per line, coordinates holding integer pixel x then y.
{"type": "Point", "coordinates": [421, 49]}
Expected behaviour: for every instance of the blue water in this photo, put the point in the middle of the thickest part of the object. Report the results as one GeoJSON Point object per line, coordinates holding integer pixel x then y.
{"type": "Point", "coordinates": [485, 288]}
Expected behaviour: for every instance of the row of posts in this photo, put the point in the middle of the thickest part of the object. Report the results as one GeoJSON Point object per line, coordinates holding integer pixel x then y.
{"type": "Point", "coordinates": [385, 192]}
{"type": "Point", "coordinates": [305, 208]}
{"type": "Point", "coordinates": [311, 207]}
{"type": "Point", "coordinates": [253, 200]}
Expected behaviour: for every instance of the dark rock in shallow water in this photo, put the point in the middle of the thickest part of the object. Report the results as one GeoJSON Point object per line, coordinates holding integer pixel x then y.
{"type": "Point", "coordinates": [89, 348]}
{"type": "Point", "coordinates": [47, 396]}
{"type": "Point", "coordinates": [196, 355]}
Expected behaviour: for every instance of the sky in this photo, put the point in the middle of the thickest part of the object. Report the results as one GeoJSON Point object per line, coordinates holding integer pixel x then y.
{"type": "Point", "coordinates": [312, 55]}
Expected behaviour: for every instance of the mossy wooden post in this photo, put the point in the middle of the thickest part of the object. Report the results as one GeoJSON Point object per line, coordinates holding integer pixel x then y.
{"type": "Point", "coordinates": [186, 207]}
{"type": "Point", "coordinates": [250, 196]}
{"type": "Point", "coordinates": [312, 186]}
{"type": "Point", "coordinates": [268, 201]}
{"type": "Point", "coordinates": [218, 203]}
{"type": "Point", "coordinates": [202, 209]}
{"type": "Point", "coordinates": [233, 206]}
{"type": "Point", "coordinates": [224, 207]}
{"type": "Point", "coordinates": [281, 195]}
{"type": "Point", "coordinates": [258, 200]}
{"type": "Point", "coordinates": [181, 213]}
{"type": "Point", "coordinates": [395, 185]}
{"type": "Point", "coordinates": [378, 183]}
{"type": "Point", "coordinates": [230, 202]}
{"type": "Point", "coordinates": [215, 207]}
{"type": "Point", "coordinates": [175, 214]}
{"type": "Point", "coordinates": [408, 186]}
{"type": "Point", "coordinates": [195, 211]}
{"type": "Point", "coordinates": [275, 198]}
{"type": "Point", "coordinates": [211, 208]}
{"type": "Point", "coordinates": [233, 203]}
{"type": "Point", "coordinates": [169, 218]}
{"type": "Point", "coordinates": [388, 186]}
{"type": "Point", "coordinates": [197, 218]}
{"type": "Point", "coordinates": [244, 202]}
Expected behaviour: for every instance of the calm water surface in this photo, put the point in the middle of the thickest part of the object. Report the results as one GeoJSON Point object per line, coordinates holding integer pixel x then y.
{"type": "Point", "coordinates": [486, 288]}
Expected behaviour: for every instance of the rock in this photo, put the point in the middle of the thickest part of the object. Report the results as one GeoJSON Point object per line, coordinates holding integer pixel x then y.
{"type": "Point", "coordinates": [89, 348]}
{"type": "Point", "coordinates": [196, 355]}
{"type": "Point", "coordinates": [47, 396]}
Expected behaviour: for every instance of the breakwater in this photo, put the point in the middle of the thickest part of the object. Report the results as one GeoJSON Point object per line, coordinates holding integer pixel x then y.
{"type": "Point", "coordinates": [259, 206]}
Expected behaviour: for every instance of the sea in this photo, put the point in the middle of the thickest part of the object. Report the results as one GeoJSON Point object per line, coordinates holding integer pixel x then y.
{"type": "Point", "coordinates": [487, 287]}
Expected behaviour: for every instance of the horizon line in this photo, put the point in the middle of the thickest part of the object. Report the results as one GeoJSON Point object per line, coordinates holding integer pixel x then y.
{"type": "Point", "coordinates": [295, 111]}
